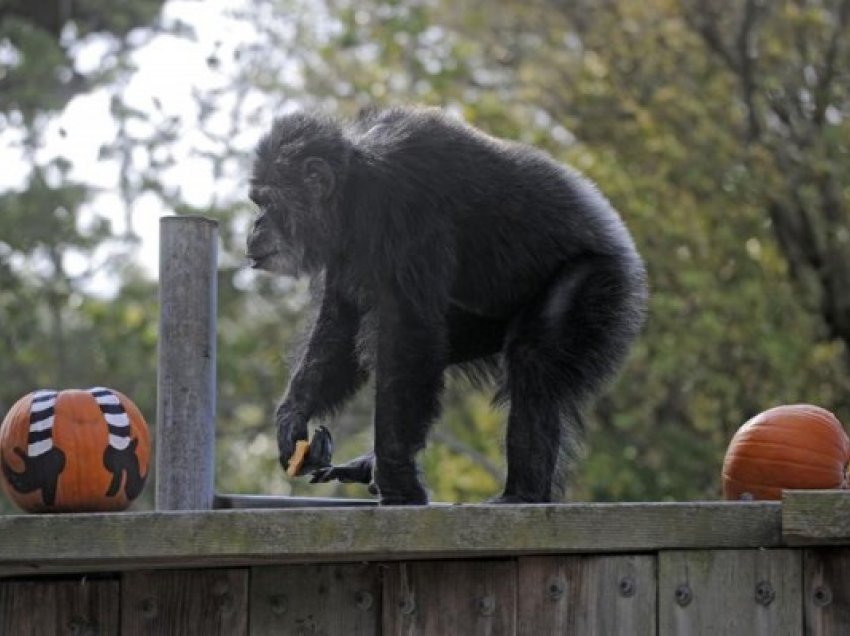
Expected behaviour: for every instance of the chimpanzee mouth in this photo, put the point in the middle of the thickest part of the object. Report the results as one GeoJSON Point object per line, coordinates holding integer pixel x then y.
{"type": "Point", "coordinates": [276, 262]}
{"type": "Point", "coordinates": [256, 260]}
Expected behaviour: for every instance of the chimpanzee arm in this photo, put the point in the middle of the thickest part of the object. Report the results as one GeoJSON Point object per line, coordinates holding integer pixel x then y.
{"type": "Point", "coordinates": [412, 351]}
{"type": "Point", "coordinates": [327, 373]}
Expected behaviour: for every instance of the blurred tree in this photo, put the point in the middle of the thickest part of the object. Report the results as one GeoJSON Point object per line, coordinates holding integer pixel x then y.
{"type": "Point", "coordinates": [790, 62]}
{"type": "Point", "coordinates": [719, 132]}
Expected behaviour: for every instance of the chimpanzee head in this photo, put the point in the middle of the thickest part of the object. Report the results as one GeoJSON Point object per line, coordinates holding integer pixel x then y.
{"type": "Point", "coordinates": [299, 172]}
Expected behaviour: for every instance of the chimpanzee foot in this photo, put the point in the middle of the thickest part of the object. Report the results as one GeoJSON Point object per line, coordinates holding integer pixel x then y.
{"type": "Point", "coordinates": [357, 471]}
{"type": "Point", "coordinates": [398, 484]}
{"type": "Point", "coordinates": [419, 498]}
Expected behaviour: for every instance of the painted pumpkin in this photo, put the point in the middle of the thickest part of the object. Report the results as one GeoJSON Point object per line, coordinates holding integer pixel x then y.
{"type": "Point", "coordinates": [788, 447]}
{"type": "Point", "coordinates": [74, 451]}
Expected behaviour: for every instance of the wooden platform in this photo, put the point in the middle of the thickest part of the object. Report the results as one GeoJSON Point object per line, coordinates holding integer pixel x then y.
{"type": "Point", "coordinates": [696, 568]}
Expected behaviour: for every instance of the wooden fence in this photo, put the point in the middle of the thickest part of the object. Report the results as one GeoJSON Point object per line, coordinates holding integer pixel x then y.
{"type": "Point", "coordinates": [635, 569]}
{"type": "Point", "coordinates": [700, 568]}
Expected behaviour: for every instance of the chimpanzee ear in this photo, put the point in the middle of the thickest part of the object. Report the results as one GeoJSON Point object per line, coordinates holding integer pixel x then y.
{"type": "Point", "coordinates": [318, 177]}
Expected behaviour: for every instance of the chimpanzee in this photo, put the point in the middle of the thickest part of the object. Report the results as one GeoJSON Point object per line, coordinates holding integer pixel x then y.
{"type": "Point", "coordinates": [434, 244]}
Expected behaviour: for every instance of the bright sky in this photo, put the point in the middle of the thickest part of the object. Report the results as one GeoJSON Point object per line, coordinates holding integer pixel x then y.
{"type": "Point", "coordinates": [169, 68]}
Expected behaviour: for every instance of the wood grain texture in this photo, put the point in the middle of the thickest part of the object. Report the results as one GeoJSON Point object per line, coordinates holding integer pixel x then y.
{"type": "Point", "coordinates": [450, 597]}
{"type": "Point", "coordinates": [78, 606]}
{"type": "Point", "coordinates": [827, 591]}
{"type": "Point", "coordinates": [589, 595]}
{"type": "Point", "coordinates": [316, 599]}
{"type": "Point", "coordinates": [181, 602]}
{"type": "Point", "coordinates": [816, 517]}
{"type": "Point", "coordinates": [46, 543]}
{"type": "Point", "coordinates": [730, 592]}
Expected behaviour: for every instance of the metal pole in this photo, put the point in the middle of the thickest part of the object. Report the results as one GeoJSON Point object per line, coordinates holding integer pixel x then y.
{"type": "Point", "coordinates": [186, 382]}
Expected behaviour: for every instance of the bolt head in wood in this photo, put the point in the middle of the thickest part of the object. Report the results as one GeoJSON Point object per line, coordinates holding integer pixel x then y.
{"type": "Point", "coordinates": [556, 589]}
{"type": "Point", "coordinates": [765, 594]}
{"type": "Point", "coordinates": [822, 596]}
{"type": "Point", "coordinates": [683, 595]}
{"type": "Point", "coordinates": [486, 605]}
{"type": "Point", "coordinates": [627, 586]}
{"type": "Point", "coordinates": [363, 600]}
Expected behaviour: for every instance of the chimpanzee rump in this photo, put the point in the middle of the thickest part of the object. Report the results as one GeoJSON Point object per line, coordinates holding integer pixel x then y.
{"type": "Point", "coordinates": [436, 245]}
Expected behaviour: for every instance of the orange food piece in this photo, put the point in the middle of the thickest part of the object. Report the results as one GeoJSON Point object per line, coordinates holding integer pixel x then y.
{"type": "Point", "coordinates": [302, 447]}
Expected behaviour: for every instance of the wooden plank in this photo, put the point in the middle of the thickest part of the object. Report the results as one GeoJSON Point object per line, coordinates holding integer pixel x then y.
{"type": "Point", "coordinates": [179, 602]}
{"type": "Point", "coordinates": [587, 595]}
{"type": "Point", "coordinates": [826, 591]}
{"type": "Point", "coordinates": [753, 592]}
{"type": "Point", "coordinates": [186, 386]}
{"type": "Point", "coordinates": [816, 517]}
{"type": "Point", "coordinates": [81, 606]}
{"type": "Point", "coordinates": [450, 597]}
{"type": "Point", "coordinates": [316, 599]}
{"type": "Point", "coordinates": [49, 543]}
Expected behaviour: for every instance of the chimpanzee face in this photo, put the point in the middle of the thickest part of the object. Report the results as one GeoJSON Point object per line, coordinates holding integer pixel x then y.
{"type": "Point", "coordinates": [293, 188]}
{"type": "Point", "coordinates": [272, 244]}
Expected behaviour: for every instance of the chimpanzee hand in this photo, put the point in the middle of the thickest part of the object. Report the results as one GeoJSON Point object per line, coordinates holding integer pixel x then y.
{"type": "Point", "coordinates": [291, 427]}
{"type": "Point", "coordinates": [319, 453]}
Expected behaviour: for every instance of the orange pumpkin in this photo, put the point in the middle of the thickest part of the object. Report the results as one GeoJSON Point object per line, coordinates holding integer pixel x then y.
{"type": "Point", "coordinates": [74, 451]}
{"type": "Point", "coordinates": [797, 446]}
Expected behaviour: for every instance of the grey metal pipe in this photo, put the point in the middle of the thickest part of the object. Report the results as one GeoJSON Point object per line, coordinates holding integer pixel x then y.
{"type": "Point", "coordinates": [186, 382]}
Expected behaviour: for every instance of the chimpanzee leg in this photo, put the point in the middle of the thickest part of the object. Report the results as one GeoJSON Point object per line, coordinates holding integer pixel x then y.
{"type": "Point", "coordinates": [410, 360]}
{"type": "Point", "coordinates": [470, 337]}
{"type": "Point", "coordinates": [559, 352]}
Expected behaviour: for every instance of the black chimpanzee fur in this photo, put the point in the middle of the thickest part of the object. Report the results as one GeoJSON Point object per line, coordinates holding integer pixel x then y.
{"type": "Point", "coordinates": [435, 245]}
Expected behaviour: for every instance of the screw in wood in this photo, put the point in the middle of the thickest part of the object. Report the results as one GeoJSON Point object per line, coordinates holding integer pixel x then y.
{"type": "Point", "coordinates": [223, 597]}
{"type": "Point", "coordinates": [80, 626]}
{"type": "Point", "coordinates": [148, 607]}
{"type": "Point", "coordinates": [279, 604]}
{"type": "Point", "coordinates": [363, 600]}
{"type": "Point", "coordinates": [822, 596]}
{"type": "Point", "coordinates": [486, 605]}
{"type": "Point", "coordinates": [556, 589]}
{"type": "Point", "coordinates": [220, 588]}
{"type": "Point", "coordinates": [226, 604]}
{"type": "Point", "coordinates": [765, 594]}
{"type": "Point", "coordinates": [407, 606]}
{"type": "Point", "coordinates": [683, 595]}
{"type": "Point", "coordinates": [627, 586]}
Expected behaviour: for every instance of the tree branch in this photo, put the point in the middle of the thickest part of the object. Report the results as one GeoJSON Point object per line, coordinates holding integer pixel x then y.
{"type": "Point", "coordinates": [823, 90]}
{"type": "Point", "coordinates": [464, 449]}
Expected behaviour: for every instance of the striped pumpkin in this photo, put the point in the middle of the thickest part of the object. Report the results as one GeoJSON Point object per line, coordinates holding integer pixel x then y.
{"type": "Point", "coordinates": [74, 451]}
